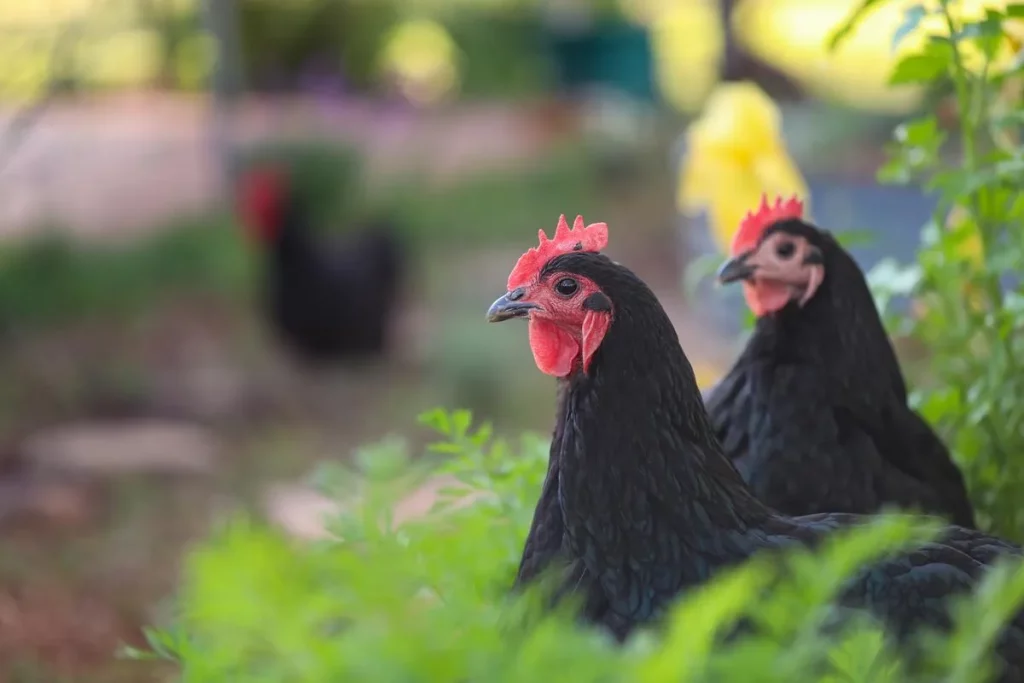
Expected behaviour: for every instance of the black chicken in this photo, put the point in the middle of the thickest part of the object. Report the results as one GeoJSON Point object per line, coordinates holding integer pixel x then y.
{"type": "Point", "coordinates": [646, 502]}
{"type": "Point", "coordinates": [328, 300]}
{"type": "Point", "coordinates": [814, 413]}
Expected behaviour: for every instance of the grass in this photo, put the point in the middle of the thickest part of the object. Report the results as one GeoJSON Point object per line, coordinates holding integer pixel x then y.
{"type": "Point", "coordinates": [52, 278]}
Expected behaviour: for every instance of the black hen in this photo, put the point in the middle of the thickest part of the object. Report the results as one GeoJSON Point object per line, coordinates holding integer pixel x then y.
{"type": "Point", "coordinates": [814, 413]}
{"type": "Point", "coordinates": [647, 503]}
{"type": "Point", "coordinates": [329, 300]}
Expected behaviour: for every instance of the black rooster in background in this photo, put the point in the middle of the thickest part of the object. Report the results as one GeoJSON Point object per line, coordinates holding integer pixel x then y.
{"type": "Point", "coordinates": [814, 413]}
{"type": "Point", "coordinates": [645, 502]}
{"type": "Point", "coordinates": [328, 299]}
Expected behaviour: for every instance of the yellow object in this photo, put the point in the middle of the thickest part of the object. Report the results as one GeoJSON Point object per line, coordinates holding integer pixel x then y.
{"type": "Point", "coordinates": [687, 41]}
{"type": "Point", "coordinates": [423, 57]}
{"type": "Point", "coordinates": [126, 58]}
{"type": "Point", "coordinates": [26, 71]}
{"type": "Point", "coordinates": [735, 152]}
{"type": "Point", "coordinates": [707, 374]}
{"type": "Point", "coordinates": [193, 60]}
{"type": "Point", "coordinates": [792, 36]}
{"type": "Point", "coordinates": [971, 249]}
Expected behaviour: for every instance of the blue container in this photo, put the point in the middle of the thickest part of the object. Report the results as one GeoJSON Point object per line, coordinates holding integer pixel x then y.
{"type": "Point", "coordinates": [611, 55]}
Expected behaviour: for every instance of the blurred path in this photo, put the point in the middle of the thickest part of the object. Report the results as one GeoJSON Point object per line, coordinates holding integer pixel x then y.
{"type": "Point", "coordinates": [107, 166]}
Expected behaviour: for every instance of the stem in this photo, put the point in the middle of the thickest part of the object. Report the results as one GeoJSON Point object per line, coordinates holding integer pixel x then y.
{"type": "Point", "coordinates": [969, 120]}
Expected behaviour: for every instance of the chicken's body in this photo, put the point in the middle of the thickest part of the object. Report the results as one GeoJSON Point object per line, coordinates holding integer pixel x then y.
{"type": "Point", "coordinates": [328, 299]}
{"type": "Point", "coordinates": [814, 413]}
{"type": "Point", "coordinates": [544, 540]}
{"type": "Point", "coordinates": [649, 504]}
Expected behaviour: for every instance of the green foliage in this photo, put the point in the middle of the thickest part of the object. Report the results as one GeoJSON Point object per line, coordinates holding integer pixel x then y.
{"type": "Point", "coordinates": [428, 600]}
{"type": "Point", "coordinates": [328, 178]}
{"type": "Point", "coordinates": [969, 305]}
{"type": "Point", "coordinates": [489, 208]}
{"type": "Point", "coordinates": [498, 45]}
{"type": "Point", "coordinates": [52, 278]}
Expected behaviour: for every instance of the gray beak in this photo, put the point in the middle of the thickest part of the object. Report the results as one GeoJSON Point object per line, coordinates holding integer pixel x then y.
{"type": "Point", "coordinates": [509, 306]}
{"type": "Point", "coordinates": [736, 269]}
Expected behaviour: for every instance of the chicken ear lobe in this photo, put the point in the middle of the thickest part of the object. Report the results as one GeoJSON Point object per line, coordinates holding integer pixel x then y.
{"type": "Point", "coordinates": [816, 274]}
{"type": "Point", "coordinates": [595, 326]}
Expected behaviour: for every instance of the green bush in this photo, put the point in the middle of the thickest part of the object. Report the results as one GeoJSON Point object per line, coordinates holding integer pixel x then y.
{"type": "Point", "coordinates": [327, 177]}
{"type": "Point", "coordinates": [52, 278]}
{"type": "Point", "coordinates": [429, 600]}
{"type": "Point", "coordinates": [966, 284]}
{"type": "Point", "coordinates": [281, 38]}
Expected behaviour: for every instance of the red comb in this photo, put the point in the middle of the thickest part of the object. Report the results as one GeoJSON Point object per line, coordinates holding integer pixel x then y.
{"type": "Point", "coordinates": [593, 237]}
{"type": "Point", "coordinates": [259, 200]}
{"type": "Point", "coordinates": [754, 225]}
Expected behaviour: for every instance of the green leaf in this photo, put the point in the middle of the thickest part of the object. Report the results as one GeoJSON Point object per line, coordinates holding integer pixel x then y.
{"type": "Point", "coordinates": [1015, 11]}
{"type": "Point", "coordinates": [851, 238]}
{"type": "Point", "coordinates": [699, 269]}
{"type": "Point", "coordinates": [986, 34]}
{"type": "Point", "coordinates": [461, 420]}
{"type": "Point", "coordinates": [922, 132]}
{"type": "Point", "coordinates": [922, 68]}
{"type": "Point", "coordinates": [436, 419]}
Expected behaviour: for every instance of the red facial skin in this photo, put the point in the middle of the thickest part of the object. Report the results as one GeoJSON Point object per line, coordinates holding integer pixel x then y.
{"type": "Point", "coordinates": [260, 203]}
{"type": "Point", "coordinates": [778, 281]}
{"type": "Point", "coordinates": [564, 336]}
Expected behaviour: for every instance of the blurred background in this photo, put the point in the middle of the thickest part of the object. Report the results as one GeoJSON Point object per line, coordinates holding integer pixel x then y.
{"type": "Point", "coordinates": [180, 337]}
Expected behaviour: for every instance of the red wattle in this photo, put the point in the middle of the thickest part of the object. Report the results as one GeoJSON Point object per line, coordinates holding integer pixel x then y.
{"type": "Point", "coordinates": [766, 297]}
{"type": "Point", "coordinates": [554, 349]}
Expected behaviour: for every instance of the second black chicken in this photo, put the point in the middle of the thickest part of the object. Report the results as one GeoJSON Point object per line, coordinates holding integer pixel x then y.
{"type": "Point", "coordinates": [328, 299]}
{"type": "Point", "coordinates": [814, 413]}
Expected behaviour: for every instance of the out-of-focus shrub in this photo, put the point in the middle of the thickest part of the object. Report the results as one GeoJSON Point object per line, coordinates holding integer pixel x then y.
{"type": "Point", "coordinates": [327, 178]}
{"type": "Point", "coordinates": [428, 600]}
{"type": "Point", "coordinates": [966, 285]}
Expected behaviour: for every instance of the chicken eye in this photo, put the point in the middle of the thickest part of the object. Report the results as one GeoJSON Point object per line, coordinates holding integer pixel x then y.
{"type": "Point", "coordinates": [785, 250]}
{"type": "Point", "coordinates": [566, 286]}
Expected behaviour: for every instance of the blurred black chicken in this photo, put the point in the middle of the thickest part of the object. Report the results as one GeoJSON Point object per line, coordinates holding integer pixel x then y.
{"type": "Point", "coordinates": [329, 299]}
{"type": "Point", "coordinates": [814, 413]}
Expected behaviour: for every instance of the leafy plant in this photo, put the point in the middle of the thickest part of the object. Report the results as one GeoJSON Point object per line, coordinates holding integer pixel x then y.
{"type": "Point", "coordinates": [428, 600]}
{"type": "Point", "coordinates": [965, 283]}
{"type": "Point", "coordinates": [53, 278]}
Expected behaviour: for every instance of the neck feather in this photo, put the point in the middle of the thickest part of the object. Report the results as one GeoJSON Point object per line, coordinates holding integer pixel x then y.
{"type": "Point", "coordinates": [641, 470]}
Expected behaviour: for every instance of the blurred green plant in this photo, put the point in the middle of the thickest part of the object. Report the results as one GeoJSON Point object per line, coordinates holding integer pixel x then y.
{"type": "Point", "coordinates": [968, 305]}
{"type": "Point", "coordinates": [428, 600]}
{"type": "Point", "coordinates": [53, 278]}
{"type": "Point", "coordinates": [493, 207]}
{"type": "Point", "coordinates": [327, 178]}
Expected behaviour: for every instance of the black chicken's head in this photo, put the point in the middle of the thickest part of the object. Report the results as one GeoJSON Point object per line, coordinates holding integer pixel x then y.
{"type": "Point", "coordinates": [777, 256]}
{"type": "Point", "coordinates": [262, 198]}
{"type": "Point", "coordinates": [568, 312]}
